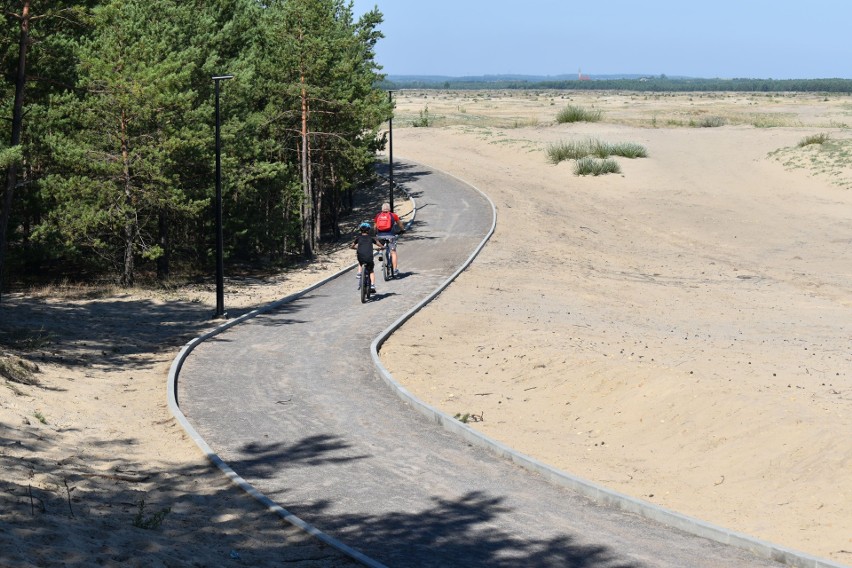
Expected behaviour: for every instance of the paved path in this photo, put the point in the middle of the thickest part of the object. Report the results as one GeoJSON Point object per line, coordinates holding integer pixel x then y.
{"type": "Point", "coordinates": [291, 401]}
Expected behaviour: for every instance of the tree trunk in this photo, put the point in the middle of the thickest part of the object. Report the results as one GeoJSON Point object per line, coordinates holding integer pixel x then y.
{"type": "Point", "coordinates": [307, 192]}
{"type": "Point", "coordinates": [318, 195]}
{"type": "Point", "coordinates": [17, 128]}
{"type": "Point", "coordinates": [163, 240]}
{"type": "Point", "coordinates": [127, 275]}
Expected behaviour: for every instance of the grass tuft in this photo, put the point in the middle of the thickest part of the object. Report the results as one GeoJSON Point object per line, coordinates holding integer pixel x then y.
{"type": "Point", "coordinates": [819, 139]}
{"type": "Point", "coordinates": [592, 147]}
{"type": "Point", "coordinates": [596, 167]}
{"type": "Point", "coordinates": [573, 113]}
{"type": "Point", "coordinates": [18, 370]}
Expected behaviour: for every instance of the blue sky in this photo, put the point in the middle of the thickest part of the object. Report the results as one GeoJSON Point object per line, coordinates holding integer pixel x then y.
{"type": "Point", "coordinates": [778, 39]}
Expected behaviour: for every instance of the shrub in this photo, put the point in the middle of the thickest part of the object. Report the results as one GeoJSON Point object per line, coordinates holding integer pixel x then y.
{"type": "Point", "coordinates": [573, 113]}
{"type": "Point", "coordinates": [424, 120]}
{"type": "Point", "coordinates": [151, 522]}
{"type": "Point", "coordinates": [596, 167]}
{"type": "Point", "coordinates": [712, 122]}
{"type": "Point", "coordinates": [813, 139]}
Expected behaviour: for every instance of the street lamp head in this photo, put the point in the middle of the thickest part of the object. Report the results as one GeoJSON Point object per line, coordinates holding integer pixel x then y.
{"type": "Point", "coordinates": [219, 77]}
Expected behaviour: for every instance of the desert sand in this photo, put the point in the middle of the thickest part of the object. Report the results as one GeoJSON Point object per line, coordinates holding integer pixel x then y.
{"type": "Point", "coordinates": [678, 332]}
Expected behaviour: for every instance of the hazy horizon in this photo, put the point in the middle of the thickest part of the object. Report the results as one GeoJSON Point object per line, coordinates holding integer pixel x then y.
{"type": "Point", "coordinates": [757, 40]}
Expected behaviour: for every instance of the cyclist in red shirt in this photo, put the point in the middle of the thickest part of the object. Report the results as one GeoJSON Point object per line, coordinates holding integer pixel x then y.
{"type": "Point", "coordinates": [385, 223]}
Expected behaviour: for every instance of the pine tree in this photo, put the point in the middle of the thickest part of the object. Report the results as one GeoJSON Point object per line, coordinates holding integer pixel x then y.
{"type": "Point", "coordinates": [41, 24]}
{"type": "Point", "coordinates": [120, 159]}
{"type": "Point", "coordinates": [319, 69]}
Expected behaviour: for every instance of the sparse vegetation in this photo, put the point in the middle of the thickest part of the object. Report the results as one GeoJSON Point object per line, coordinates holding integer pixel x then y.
{"type": "Point", "coordinates": [592, 147]}
{"type": "Point", "coordinates": [573, 113]}
{"type": "Point", "coordinates": [712, 122]}
{"type": "Point", "coordinates": [469, 417]}
{"type": "Point", "coordinates": [17, 370]}
{"type": "Point", "coordinates": [822, 155]}
{"type": "Point", "coordinates": [596, 167]}
{"type": "Point", "coordinates": [150, 522]}
{"type": "Point", "coordinates": [424, 121]}
{"type": "Point", "coordinates": [820, 139]}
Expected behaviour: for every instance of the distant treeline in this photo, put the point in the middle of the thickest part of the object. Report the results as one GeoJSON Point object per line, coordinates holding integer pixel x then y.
{"type": "Point", "coordinates": [650, 84]}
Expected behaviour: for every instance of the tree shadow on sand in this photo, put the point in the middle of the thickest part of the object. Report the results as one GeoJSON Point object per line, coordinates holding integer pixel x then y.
{"type": "Point", "coordinates": [79, 512]}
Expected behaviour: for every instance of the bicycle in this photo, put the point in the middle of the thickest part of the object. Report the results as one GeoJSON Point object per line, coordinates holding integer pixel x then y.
{"type": "Point", "coordinates": [385, 258]}
{"type": "Point", "coordinates": [365, 287]}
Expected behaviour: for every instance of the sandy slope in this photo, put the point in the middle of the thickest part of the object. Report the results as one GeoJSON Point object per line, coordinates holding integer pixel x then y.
{"type": "Point", "coordinates": [679, 333]}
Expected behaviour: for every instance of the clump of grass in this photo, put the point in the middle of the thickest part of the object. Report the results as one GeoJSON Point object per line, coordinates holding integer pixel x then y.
{"type": "Point", "coordinates": [592, 147]}
{"type": "Point", "coordinates": [819, 139]}
{"type": "Point", "coordinates": [573, 113]}
{"type": "Point", "coordinates": [18, 370]}
{"type": "Point", "coordinates": [40, 417]}
{"type": "Point", "coordinates": [628, 150]}
{"type": "Point", "coordinates": [596, 167]}
{"type": "Point", "coordinates": [572, 150]}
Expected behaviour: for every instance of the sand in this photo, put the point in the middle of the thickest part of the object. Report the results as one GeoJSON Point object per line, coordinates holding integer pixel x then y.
{"type": "Point", "coordinates": [678, 332]}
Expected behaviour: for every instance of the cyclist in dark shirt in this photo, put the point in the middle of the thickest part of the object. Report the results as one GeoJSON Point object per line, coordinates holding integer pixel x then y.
{"type": "Point", "coordinates": [363, 245]}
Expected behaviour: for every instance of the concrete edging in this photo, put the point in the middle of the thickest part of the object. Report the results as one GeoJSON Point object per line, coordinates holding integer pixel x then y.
{"type": "Point", "coordinates": [171, 395]}
{"type": "Point", "coordinates": [590, 490]}
{"type": "Point", "coordinates": [596, 493]}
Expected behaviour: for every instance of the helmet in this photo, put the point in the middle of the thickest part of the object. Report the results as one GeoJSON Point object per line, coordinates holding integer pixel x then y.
{"type": "Point", "coordinates": [365, 226]}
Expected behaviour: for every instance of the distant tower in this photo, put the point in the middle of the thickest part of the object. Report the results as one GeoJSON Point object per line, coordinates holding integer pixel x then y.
{"type": "Point", "coordinates": [580, 76]}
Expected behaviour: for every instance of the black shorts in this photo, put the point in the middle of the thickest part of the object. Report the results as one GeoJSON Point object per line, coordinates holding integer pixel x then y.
{"type": "Point", "coordinates": [368, 263]}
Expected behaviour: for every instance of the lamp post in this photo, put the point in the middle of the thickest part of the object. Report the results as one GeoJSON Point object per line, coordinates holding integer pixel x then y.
{"type": "Point", "coordinates": [390, 149]}
{"type": "Point", "coordinates": [220, 264]}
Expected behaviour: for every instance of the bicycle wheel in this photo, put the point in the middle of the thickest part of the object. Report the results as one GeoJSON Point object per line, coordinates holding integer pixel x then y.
{"type": "Point", "coordinates": [387, 264]}
{"type": "Point", "coordinates": [365, 284]}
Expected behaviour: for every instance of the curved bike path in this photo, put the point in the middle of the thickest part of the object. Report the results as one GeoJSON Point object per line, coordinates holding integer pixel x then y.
{"type": "Point", "coordinates": [289, 402]}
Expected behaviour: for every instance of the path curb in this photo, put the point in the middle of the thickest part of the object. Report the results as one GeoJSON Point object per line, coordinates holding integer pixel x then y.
{"type": "Point", "coordinates": [590, 490]}
{"type": "Point", "coordinates": [596, 493]}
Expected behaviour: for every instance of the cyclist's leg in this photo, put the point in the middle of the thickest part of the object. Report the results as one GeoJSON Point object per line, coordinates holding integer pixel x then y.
{"type": "Point", "coordinates": [371, 271]}
{"type": "Point", "coordinates": [394, 257]}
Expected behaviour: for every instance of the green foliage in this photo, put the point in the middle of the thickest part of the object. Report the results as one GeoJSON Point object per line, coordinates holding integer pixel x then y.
{"type": "Point", "coordinates": [312, 92]}
{"type": "Point", "coordinates": [150, 522]}
{"type": "Point", "coordinates": [118, 148]}
{"type": "Point", "coordinates": [596, 167]}
{"type": "Point", "coordinates": [573, 113]}
{"type": "Point", "coordinates": [424, 121]}
{"type": "Point", "coordinates": [124, 153]}
{"type": "Point", "coordinates": [9, 156]}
